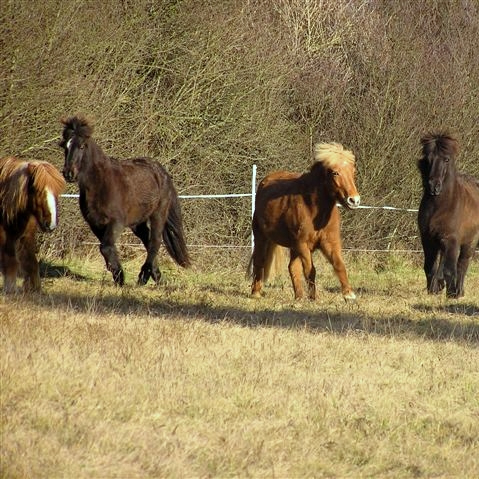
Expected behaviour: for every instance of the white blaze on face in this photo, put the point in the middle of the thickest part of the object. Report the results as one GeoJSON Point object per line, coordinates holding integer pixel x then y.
{"type": "Point", "coordinates": [52, 207]}
{"type": "Point", "coordinates": [69, 143]}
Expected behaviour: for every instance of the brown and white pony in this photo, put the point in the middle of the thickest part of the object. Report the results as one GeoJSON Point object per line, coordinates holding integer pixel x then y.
{"type": "Point", "coordinates": [29, 193]}
{"type": "Point", "coordinates": [299, 212]}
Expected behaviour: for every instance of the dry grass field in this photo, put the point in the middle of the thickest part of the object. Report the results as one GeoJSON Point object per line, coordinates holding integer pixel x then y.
{"type": "Point", "coordinates": [197, 379]}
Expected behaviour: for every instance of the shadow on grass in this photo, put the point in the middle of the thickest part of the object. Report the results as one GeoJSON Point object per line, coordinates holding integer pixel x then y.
{"type": "Point", "coordinates": [51, 270]}
{"type": "Point", "coordinates": [460, 308]}
{"type": "Point", "coordinates": [345, 319]}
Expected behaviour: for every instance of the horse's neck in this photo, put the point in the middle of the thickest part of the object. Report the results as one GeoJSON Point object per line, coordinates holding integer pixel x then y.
{"type": "Point", "coordinates": [318, 186]}
{"type": "Point", "coordinates": [96, 167]}
{"type": "Point", "coordinates": [322, 200]}
{"type": "Point", "coordinates": [450, 186]}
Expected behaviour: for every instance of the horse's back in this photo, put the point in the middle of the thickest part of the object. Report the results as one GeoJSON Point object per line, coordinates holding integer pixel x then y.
{"type": "Point", "coordinates": [277, 183]}
{"type": "Point", "coordinates": [141, 171]}
{"type": "Point", "coordinates": [139, 185]}
{"type": "Point", "coordinates": [470, 186]}
{"type": "Point", "coordinates": [470, 225]}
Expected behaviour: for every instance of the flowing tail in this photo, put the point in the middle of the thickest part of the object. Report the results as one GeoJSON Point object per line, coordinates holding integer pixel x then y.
{"type": "Point", "coordinates": [273, 263]}
{"type": "Point", "coordinates": [174, 237]}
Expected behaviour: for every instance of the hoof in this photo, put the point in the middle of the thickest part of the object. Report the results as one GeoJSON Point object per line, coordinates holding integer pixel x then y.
{"type": "Point", "coordinates": [256, 295]}
{"type": "Point", "coordinates": [349, 297]}
{"type": "Point", "coordinates": [119, 280]}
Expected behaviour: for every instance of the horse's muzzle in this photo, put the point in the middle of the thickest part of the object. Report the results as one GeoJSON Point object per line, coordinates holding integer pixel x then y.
{"type": "Point", "coordinates": [47, 227]}
{"type": "Point", "coordinates": [69, 176]}
{"type": "Point", "coordinates": [435, 188]}
{"type": "Point", "coordinates": [353, 202]}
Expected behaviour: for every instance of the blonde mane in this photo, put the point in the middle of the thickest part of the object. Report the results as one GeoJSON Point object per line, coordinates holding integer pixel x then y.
{"type": "Point", "coordinates": [15, 176]}
{"type": "Point", "coordinates": [332, 155]}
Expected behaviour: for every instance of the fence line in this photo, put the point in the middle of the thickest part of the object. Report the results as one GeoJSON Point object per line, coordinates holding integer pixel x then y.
{"type": "Point", "coordinates": [230, 246]}
{"type": "Point", "coordinates": [253, 197]}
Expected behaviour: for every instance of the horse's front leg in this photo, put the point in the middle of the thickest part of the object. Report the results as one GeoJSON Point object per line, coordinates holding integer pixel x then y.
{"type": "Point", "coordinates": [451, 256]}
{"type": "Point", "coordinates": [29, 264]}
{"type": "Point", "coordinates": [433, 267]}
{"type": "Point", "coordinates": [27, 246]}
{"type": "Point", "coordinates": [108, 237]}
{"type": "Point", "coordinates": [9, 266]}
{"type": "Point", "coordinates": [467, 252]}
{"type": "Point", "coordinates": [150, 268]}
{"type": "Point", "coordinates": [332, 252]}
{"type": "Point", "coordinates": [143, 232]}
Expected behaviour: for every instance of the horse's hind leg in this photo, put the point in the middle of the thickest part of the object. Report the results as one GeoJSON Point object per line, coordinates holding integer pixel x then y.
{"type": "Point", "coordinates": [451, 257]}
{"type": "Point", "coordinates": [143, 232]}
{"type": "Point", "coordinates": [150, 268]}
{"type": "Point", "coordinates": [462, 264]}
{"type": "Point", "coordinates": [258, 261]}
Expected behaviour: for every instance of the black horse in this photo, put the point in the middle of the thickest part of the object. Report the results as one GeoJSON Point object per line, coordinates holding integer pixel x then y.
{"type": "Point", "coordinates": [448, 215]}
{"type": "Point", "coordinates": [137, 193]}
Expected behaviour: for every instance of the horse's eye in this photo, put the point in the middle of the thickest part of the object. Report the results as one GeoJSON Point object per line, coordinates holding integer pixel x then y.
{"type": "Point", "coordinates": [446, 159]}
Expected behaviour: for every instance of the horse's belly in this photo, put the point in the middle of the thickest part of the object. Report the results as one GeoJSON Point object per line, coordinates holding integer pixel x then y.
{"type": "Point", "coordinates": [288, 234]}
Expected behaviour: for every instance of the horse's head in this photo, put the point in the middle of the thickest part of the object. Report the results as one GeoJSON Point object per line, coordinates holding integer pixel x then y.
{"type": "Point", "coordinates": [44, 207]}
{"type": "Point", "coordinates": [339, 165]}
{"type": "Point", "coordinates": [74, 149]}
{"type": "Point", "coordinates": [437, 163]}
{"type": "Point", "coordinates": [45, 184]}
{"type": "Point", "coordinates": [76, 134]}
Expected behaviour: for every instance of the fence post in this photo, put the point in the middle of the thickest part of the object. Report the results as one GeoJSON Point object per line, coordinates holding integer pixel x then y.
{"type": "Point", "coordinates": [253, 199]}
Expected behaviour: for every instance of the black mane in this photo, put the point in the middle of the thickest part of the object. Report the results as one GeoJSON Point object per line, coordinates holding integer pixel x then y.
{"type": "Point", "coordinates": [441, 144]}
{"type": "Point", "coordinates": [76, 125]}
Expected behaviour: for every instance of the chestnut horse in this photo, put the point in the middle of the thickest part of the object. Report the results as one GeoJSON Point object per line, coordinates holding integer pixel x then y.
{"type": "Point", "coordinates": [29, 193]}
{"type": "Point", "coordinates": [299, 212]}
{"type": "Point", "coordinates": [448, 215]}
{"type": "Point", "coordinates": [137, 193]}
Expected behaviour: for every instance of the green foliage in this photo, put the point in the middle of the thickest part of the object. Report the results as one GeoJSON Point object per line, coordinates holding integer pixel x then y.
{"type": "Point", "coordinates": [209, 88]}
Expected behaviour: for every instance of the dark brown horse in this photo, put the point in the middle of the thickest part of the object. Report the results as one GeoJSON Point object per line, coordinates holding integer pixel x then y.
{"type": "Point", "coordinates": [29, 193]}
{"type": "Point", "coordinates": [299, 212]}
{"type": "Point", "coordinates": [136, 193]}
{"type": "Point", "coordinates": [448, 215]}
